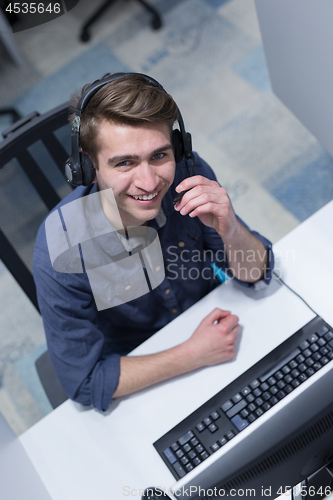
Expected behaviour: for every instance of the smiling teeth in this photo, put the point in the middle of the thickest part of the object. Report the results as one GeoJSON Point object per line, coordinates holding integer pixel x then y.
{"type": "Point", "coordinates": [145, 197]}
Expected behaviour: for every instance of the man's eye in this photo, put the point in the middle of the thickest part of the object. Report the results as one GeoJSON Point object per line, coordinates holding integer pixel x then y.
{"type": "Point", "coordinates": [123, 163]}
{"type": "Point", "coordinates": [159, 156]}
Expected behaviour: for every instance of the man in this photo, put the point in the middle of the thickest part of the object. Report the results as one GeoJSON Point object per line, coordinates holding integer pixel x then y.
{"type": "Point", "coordinates": [126, 132]}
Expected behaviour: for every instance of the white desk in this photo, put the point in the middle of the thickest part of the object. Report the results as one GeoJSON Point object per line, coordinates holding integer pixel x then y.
{"type": "Point", "coordinates": [83, 454]}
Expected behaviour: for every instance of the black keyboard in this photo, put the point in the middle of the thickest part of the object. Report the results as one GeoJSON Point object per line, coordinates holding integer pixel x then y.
{"type": "Point", "coordinates": [247, 398]}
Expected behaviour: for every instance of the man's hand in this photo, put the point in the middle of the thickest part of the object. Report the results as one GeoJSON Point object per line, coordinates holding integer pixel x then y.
{"type": "Point", "coordinates": [209, 201]}
{"type": "Point", "coordinates": [214, 340]}
{"type": "Point", "coordinates": [211, 343]}
{"type": "Point", "coordinates": [206, 199]}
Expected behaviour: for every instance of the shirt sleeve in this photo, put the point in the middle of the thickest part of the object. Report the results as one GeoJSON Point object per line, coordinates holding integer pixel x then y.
{"type": "Point", "coordinates": [213, 240]}
{"type": "Point", "coordinates": [74, 341]}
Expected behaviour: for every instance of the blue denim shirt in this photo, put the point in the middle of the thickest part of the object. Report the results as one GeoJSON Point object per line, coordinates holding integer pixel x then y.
{"type": "Point", "coordinates": [85, 344]}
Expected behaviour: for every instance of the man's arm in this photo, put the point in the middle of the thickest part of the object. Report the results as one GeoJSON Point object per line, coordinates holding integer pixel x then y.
{"type": "Point", "coordinates": [211, 343]}
{"type": "Point", "coordinates": [207, 200]}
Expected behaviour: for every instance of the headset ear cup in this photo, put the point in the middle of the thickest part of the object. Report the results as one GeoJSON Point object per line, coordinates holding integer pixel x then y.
{"type": "Point", "coordinates": [88, 171]}
{"type": "Point", "coordinates": [177, 145]}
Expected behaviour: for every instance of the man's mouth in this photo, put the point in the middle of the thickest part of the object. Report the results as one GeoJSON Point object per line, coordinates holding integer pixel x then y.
{"type": "Point", "coordinates": [145, 197]}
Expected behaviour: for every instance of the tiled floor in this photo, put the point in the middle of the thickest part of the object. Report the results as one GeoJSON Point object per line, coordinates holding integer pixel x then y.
{"type": "Point", "coordinates": [209, 56]}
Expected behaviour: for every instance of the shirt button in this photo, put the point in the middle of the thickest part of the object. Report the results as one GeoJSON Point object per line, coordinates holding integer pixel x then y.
{"type": "Point", "coordinates": [167, 291]}
{"type": "Point", "coordinates": [174, 311]}
{"type": "Point", "coordinates": [181, 244]}
{"type": "Point", "coordinates": [127, 287]}
{"type": "Point", "coordinates": [157, 268]}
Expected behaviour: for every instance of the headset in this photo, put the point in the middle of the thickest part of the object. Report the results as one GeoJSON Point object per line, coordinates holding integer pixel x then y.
{"type": "Point", "coordinates": [79, 170]}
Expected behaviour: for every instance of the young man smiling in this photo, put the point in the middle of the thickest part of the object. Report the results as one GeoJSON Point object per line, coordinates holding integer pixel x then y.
{"type": "Point", "coordinates": [126, 131]}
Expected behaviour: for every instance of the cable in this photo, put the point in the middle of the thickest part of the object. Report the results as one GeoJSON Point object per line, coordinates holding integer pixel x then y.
{"type": "Point", "coordinates": [299, 296]}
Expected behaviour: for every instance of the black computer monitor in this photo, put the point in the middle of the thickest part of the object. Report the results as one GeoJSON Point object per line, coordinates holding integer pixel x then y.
{"type": "Point", "coordinates": [283, 447]}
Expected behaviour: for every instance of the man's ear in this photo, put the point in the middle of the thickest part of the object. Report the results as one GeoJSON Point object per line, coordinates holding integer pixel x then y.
{"type": "Point", "coordinates": [88, 170]}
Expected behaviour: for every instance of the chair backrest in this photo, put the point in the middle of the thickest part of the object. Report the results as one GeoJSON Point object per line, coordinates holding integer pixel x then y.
{"type": "Point", "coordinates": [32, 155]}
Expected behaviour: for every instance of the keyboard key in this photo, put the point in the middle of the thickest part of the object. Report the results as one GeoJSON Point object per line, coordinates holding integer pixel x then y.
{"type": "Point", "coordinates": [215, 415]}
{"type": "Point", "coordinates": [281, 394]}
{"type": "Point", "coordinates": [170, 456]}
{"type": "Point", "coordinates": [314, 347]}
{"type": "Point", "coordinates": [179, 453]}
{"type": "Point", "coordinates": [285, 369]}
{"type": "Point", "coordinates": [200, 426]}
{"type": "Point", "coordinates": [288, 389]}
{"type": "Point", "coordinates": [207, 421]}
{"type": "Point", "coordinates": [293, 364]}
{"type": "Point", "coordinates": [212, 428]}
{"type": "Point", "coordinates": [324, 360]}
{"type": "Point", "coordinates": [316, 356]}
{"type": "Point", "coordinates": [196, 461]}
{"type": "Point", "coordinates": [230, 435]}
{"type": "Point", "coordinates": [259, 412]}
{"type": "Point", "coordinates": [271, 381]}
{"type": "Point", "coordinates": [189, 467]}
{"type": "Point", "coordinates": [323, 351]}
{"type": "Point", "coordinates": [321, 342]}
{"type": "Point", "coordinates": [330, 355]}
{"type": "Point", "coordinates": [257, 392]}
{"type": "Point", "coordinates": [251, 407]}
{"type": "Point", "coordinates": [179, 469]}
{"type": "Point", "coordinates": [254, 384]}
{"type": "Point", "coordinates": [313, 338]}
{"type": "Point", "coordinates": [278, 375]}
{"type": "Point", "coordinates": [317, 366]}
{"type": "Point", "coordinates": [250, 398]}
{"type": "Point", "coordinates": [187, 447]}
{"type": "Point", "coordinates": [236, 409]}
{"type": "Point", "coordinates": [310, 371]}
{"type": "Point", "coordinates": [302, 367]}
{"type": "Point", "coordinates": [174, 446]}
{"type": "Point", "coordinates": [192, 454]}
{"type": "Point", "coordinates": [199, 448]}
{"type": "Point", "coordinates": [251, 418]}
{"type": "Point", "coordinates": [310, 362]}
{"type": "Point", "coordinates": [264, 387]}
{"type": "Point", "coordinates": [266, 396]}
{"type": "Point", "coordinates": [300, 358]}
{"type": "Point", "coordinates": [322, 330]}
{"type": "Point", "coordinates": [302, 377]}
{"type": "Point", "coordinates": [239, 422]}
{"type": "Point", "coordinates": [328, 336]}
{"type": "Point", "coordinates": [273, 390]}
{"type": "Point", "coordinates": [184, 439]}
{"type": "Point", "coordinates": [281, 384]}
{"type": "Point", "coordinates": [237, 397]}
{"type": "Point", "coordinates": [204, 455]}
{"type": "Point", "coordinates": [307, 353]}
{"type": "Point", "coordinates": [227, 405]}
{"type": "Point", "coordinates": [288, 378]}
{"type": "Point", "coordinates": [194, 441]}
{"type": "Point", "coordinates": [273, 400]}
{"type": "Point", "coordinates": [222, 441]}
{"type": "Point", "coordinates": [244, 413]}
{"type": "Point", "coordinates": [295, 383]}
{"type": "Point", "coordinates": [304, 345]}
{"type": "Point", "coordinates": [184, 460]}
{"type": "Point", "coordinates": [266, 406]}
{"type": "Point", "coordinates": [246, 391]}
{"type": "Point", "coordinates": [259, 401]}
{"type": "Point", "coordinates": [295, 373]}
{"type": "Point", "coordinates": [216, 446]}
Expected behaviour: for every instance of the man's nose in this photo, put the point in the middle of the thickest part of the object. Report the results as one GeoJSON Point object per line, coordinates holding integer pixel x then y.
{"type": "Point", "coordinates": [146, 178]}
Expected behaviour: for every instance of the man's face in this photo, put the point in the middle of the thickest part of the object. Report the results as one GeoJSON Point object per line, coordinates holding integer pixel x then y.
{"type": "Point", "coordinates": [138, 164]}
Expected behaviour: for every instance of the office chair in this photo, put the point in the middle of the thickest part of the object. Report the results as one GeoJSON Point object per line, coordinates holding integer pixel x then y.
{"type": "Point", "coordinates": [85, 35]}
{"type": "Point", "coordinates": [32, 155]}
